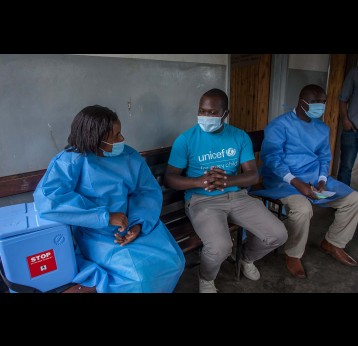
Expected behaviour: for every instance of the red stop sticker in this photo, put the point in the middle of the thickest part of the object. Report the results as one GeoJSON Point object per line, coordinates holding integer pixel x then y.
{"type": "Point", "coordinates": [41, 263]}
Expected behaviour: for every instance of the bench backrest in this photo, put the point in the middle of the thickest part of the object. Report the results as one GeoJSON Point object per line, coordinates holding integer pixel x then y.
{"type": "Point", "coordinates": [20, 183]}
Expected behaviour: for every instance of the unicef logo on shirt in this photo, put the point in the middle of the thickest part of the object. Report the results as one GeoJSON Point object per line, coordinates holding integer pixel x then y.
{"type": "Point", "coordinates": [230, 152]}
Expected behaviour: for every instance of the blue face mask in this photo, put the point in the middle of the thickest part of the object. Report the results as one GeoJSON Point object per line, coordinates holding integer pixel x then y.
{"type": "Point", "coordinates": [210, 124]}
{"type": "Point", "coordinates": [315, 110]}
{"type": "Point", "coordinates": [117, 149]}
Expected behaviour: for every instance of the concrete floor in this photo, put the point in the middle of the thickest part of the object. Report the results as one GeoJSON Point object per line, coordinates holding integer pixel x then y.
{"type": "Point", "coordinates": [325, 274]}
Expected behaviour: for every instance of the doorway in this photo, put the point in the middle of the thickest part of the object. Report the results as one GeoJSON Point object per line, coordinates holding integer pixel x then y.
{"type": "Point", "coordinates": [249, 90]}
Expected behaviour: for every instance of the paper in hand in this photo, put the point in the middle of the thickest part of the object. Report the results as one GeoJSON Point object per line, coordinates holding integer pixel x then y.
{"type": "Point", "coordinates": [324, 194]}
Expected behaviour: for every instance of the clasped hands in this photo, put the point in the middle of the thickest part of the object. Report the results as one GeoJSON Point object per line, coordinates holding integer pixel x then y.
{"type": "Point", "coordinates": [214, 179]}
{"type": "Point", "coordinates": [121, 220]}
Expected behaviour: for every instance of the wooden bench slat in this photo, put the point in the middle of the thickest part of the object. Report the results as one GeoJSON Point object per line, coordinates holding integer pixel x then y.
{"type": "Point", "coordinates": [182, 230]}
{"type": "Point", "coordinates": [80, 289]}
{"type": "Point", "coordinates": [190, 244]}
{"type": "Point", "coordinates": [173, 216]}
{"type": "Point", "coordinates": [20, 183]}
{"type": "Point", "coordinates": [172, 196]}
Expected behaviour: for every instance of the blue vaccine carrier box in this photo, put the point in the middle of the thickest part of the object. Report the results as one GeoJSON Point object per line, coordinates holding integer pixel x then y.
{"type": "Point", "coordinates": [35, 252]}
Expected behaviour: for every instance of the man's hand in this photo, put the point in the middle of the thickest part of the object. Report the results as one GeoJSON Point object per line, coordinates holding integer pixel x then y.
{"type": "Point", "coordinates": [321, 186]}
{"type": "Point", "coordinates": [348, 125]}
{"type": "Point", "coordinates": [131, 235]}
{"type": "Point", "coordinates": [216, 179]}
{"type": "Point", "coordinates": [118, 219]}
{"type": "Point", "coordinates": [303, 188]}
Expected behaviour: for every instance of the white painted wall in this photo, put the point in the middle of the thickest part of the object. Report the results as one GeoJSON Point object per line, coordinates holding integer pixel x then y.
{"type": "Point", "coordinates": [291, 72]}
{"type": "Point", "coordinates": [219, 59]}
{"type": "Point", "coordinates": [309, 62]}
{"type": "Point", "coordinates": [52, 88]}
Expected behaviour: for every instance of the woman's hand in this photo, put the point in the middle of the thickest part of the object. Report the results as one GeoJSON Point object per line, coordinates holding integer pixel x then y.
{"type": "Point", "coordinates": [131, 235]}
{"type": "Point", "coordinates": [118, 219]}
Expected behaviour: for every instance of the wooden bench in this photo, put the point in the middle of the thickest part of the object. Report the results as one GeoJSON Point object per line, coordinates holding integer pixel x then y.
{"type": "Point", "coordinates": [173, 211]}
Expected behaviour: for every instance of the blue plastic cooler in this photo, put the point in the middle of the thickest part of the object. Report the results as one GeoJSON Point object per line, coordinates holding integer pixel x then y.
{"type": "Point", "coordinates": [35, 252]}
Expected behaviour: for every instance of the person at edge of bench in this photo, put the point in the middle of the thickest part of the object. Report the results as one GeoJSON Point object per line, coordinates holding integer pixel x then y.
{"type": "Point", "coordinates": [211, 153]}
{"type": "Point", "coordinates": [105, 188]}
{"type": "Point", "coordinates": [296, 158]}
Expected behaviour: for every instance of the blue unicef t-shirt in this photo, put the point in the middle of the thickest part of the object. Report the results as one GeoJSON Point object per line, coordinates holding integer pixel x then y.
{"type": "Point", "coordinates": [196, 151]}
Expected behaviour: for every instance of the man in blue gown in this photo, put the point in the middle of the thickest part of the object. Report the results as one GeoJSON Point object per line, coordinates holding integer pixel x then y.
{"type": "Point", "coordinates": [105, 189]}
{"type": "Point", "coordinates": [296, 159]}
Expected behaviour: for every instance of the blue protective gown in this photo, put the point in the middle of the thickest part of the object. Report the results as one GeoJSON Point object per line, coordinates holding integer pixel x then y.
{"type": "Point", "coordinates": [81, 191]}
{"type": "Point", "coordinates": [301, 148]}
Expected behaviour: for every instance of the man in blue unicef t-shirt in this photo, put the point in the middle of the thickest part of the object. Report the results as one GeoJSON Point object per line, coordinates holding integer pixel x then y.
{"type": "Point", "coordinates": [212, 153]}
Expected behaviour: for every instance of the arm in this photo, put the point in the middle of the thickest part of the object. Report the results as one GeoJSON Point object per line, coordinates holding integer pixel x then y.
{"type": "Point", "coordinates": [344, 97]}
{"type": "Point", "coordinates": [176, 181]}
{"type": "Point", "coordinates": [346, 123]}
{"type": "Point", "coordinates": [272, 150]}
{"type": "Point", "coordinates": [215, 179]}
{"type": "Point", "coordinates": [248, 177]}
{"type": "Point", "coordinates": [304, 188]}
{"type": "Point", "coordinates": [324, 158]}
{"type": "Point", "coordinates": [249, 174]}
{"type": "Point", "coordinates": [131, 235]}
{"type": "Point", "coordinates": [56, 199]}
{"type": "Point", "coordinates": [272, 153]}
{"type": "Point", "coordinates": [145, 202]}
{"type": "Point", "coordinates": [178, 161]}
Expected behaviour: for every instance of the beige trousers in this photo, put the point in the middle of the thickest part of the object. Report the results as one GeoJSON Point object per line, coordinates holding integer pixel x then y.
{"type": "Point", "coordinates": [299, 211]}
{"type": "Point", "coordinates": [210, 215]}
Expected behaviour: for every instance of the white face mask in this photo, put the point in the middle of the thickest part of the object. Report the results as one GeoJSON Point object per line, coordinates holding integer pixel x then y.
{"type": "Point", "coordinates": [210, 124]}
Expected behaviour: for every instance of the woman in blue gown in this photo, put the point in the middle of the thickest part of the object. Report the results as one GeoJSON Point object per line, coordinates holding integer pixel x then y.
{"type": "Point", "coordinates": [106, 191]}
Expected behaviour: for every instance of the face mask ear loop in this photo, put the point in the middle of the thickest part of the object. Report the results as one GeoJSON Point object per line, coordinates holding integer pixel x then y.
{"type": "Point", "coordinates": [222, 117]}
{"type": "Point", "coordinates": [305, 102]}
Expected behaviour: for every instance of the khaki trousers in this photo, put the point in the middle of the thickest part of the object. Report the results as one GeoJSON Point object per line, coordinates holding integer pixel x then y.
{"type": "Point", "coordinates": [209, 216]}
{"type": "Point", "coordinates": [299, 210]}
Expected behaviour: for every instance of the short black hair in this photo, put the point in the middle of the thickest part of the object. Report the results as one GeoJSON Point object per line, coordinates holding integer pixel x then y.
{"type": "Point", "coordinates": [309, 89]}
{"type": "Point", "coordinates": [219, 94]}
{"type": "Point", "coordinates": [89, 127]}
